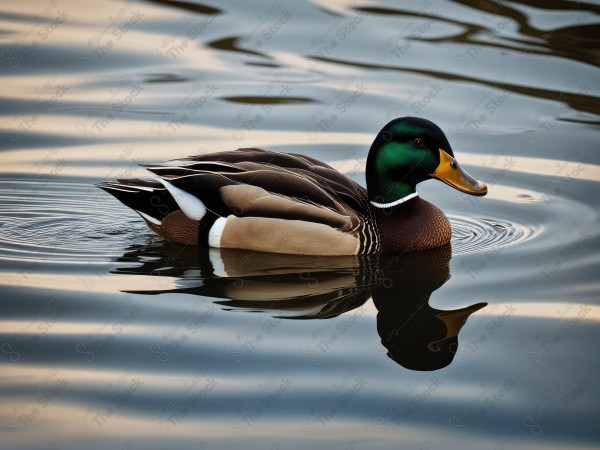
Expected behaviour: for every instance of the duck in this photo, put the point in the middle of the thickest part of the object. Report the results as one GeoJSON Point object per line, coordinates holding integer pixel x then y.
{"type": "Point", "coordinates": [277, 202]}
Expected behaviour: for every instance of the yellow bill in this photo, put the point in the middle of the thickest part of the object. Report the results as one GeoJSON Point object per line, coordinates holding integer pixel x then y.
{"type": "Point", "coordinates": [453, 175]}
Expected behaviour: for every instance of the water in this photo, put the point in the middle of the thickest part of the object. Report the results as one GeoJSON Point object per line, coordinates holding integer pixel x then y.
{"type": "Point", "coordinates": [112, 338]}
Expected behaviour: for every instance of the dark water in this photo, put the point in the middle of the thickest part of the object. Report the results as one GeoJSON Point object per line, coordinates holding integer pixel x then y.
{"type": "Point", "coordinates": [112, 338]}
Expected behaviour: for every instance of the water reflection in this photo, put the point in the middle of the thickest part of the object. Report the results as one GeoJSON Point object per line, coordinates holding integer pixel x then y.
{"type": "Point", "coordinates": [579, 101]}
{"type": "Point", "coordinates": [193, 7]}
{"type": "Point", "coordinates": [232, 44]}
{"type": "Point", "coordinates": [416, 336]}
{"type": "Point", "coordinates": [267, 100]}
{"type": "Point", "coordinates": [573, 42]}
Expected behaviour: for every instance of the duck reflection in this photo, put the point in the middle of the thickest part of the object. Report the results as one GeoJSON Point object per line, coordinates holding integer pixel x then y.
{"type": "Point", "coordinates": [416, 336]}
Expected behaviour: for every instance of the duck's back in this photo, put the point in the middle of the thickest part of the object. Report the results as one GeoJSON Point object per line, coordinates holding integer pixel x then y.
{"type": "Point", "coordinates": [257, 200]}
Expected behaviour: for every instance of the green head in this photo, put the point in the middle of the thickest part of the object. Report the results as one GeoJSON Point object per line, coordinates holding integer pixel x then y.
{"type": "Point", "coordinates": [407, 151]}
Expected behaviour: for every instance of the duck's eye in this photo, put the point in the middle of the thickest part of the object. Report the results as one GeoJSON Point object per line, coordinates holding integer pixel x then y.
{"type": "Point", "coordinates": [418, 142]}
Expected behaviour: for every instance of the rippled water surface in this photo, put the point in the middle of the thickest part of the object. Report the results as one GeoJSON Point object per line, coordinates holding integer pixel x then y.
{"type": "Point", "coordinates": [112, 338]}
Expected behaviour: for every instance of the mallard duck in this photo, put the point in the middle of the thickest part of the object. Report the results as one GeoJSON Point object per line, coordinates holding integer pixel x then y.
{"type": "Point", "coordinates": [278, 202]}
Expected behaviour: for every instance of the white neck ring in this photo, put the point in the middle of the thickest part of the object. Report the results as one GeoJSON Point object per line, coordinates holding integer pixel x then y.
{"type": "Point", "coordinates": [394, 203]}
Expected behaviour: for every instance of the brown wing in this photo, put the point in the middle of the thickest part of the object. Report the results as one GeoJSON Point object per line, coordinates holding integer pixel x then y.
{"type": "Point", "coordinates": [311, 206]}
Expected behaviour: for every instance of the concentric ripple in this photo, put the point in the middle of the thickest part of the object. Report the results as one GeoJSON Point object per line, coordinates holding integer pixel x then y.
{"type": "Point", "coordinates": [471, 234]}
{"type": "Point", "coordinates": [72, 222]}
{"type": "Point", "coordinates": [63, 223]}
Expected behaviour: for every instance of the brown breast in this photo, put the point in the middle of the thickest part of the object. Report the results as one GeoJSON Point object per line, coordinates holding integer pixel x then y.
{"type": "Point", "coordinates": [412, 226]}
